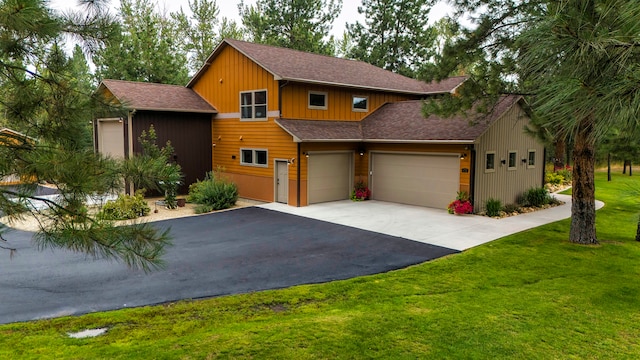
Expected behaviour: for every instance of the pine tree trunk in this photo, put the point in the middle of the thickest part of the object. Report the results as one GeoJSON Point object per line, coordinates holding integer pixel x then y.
{"type": "Point", "coordinates": [609, 167]}
{"type": "Point", "coordinates": [583, 207]}
{"type": "Point", "coordinates": [624, 166]}
{"type": "Point", "coordinates": [630, 170]}
{"type": "Point", "coordinates": [638, 230]}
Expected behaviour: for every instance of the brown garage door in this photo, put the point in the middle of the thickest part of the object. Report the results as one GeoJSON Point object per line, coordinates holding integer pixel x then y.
{"type": "Point", "coordinates": [329, 177]}
{"type": "Point", "coordinates": [425, 180]}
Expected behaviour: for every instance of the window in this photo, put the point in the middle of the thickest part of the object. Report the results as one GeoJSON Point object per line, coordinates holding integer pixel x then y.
{"type": "Point", "coordinates": [317, 100]}
{"type": "Point", "coordinates": [254, 157]}
{"type": "Point", "coordinates": [532, 159]}
{"type": "Point", "coordinates": [513, 160]}
{"type": "Point", "coordinates": [360, 103]}
{"type": "Point", "coordinates": [253, 105]}
{"type": "Point", "coordinates": [490, 162]}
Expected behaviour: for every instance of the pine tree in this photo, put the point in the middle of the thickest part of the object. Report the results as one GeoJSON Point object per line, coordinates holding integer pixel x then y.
{"type": "Point", "coordinates": [147, 48]}
{"type": "Point", "coordinates": [43, 99]}
{"type": "Point", "coordinates": [395, 35]}
{"type": "Point", "coordinates": [295, 24]}
{"type": "Point", "coordinates": [576, 61]}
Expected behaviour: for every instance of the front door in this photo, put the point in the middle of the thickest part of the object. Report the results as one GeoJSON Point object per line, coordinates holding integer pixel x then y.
{"type": "Point", "coordinates": [282, 181]}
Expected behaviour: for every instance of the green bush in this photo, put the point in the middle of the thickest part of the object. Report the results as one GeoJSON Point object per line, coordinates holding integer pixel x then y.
{"type": "Point", "coordinates": [536, 197]}
{"type": "Point", "coordinates": [511, 208]}
{"type": "Point", "coordinates": [566, 175]}
{"type": "Point", "coordinates": [493, 207]}
{"type": "Point", "coordinates": [125, 207]}
{"type": "Point", "coordinates": [213, 193]}
{"type": "Point", "coordinates": [553, 178]}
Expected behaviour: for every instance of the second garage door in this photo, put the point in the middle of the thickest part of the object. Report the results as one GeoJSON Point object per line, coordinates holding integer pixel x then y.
{"type": "Point", "coordinates": [425, 180]}
{"type": "Point", "coordinates": [329, 177]}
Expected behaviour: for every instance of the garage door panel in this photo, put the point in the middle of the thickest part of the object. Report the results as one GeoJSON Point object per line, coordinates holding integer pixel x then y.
{"type": "Point", "coordinates": [329, 177]}
{"type": "Point", "coordinates": [425, 180]}
{"type": "Point", "coordinates": [111, 140]}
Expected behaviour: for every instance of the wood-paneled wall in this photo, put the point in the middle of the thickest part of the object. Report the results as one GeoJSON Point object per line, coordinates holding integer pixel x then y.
{"type": "Point", "coordinates": [339, 102]}
{"type": "Point", "coordinates": [229, 74]}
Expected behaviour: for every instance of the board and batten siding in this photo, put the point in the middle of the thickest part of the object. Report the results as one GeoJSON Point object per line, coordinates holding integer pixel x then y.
{"type": "Point", "coordinates": [505, 135]}
{"type": "Point", "coordinates": [189, 134]}
{"type": "Point", "coordinates": [230, 73]}
{"type": "Point", "coordinates": [295, 102]}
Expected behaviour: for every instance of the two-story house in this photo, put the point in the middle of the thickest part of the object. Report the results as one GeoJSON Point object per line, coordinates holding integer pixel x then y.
{"type": "Point", "coordinates": [302, 128]}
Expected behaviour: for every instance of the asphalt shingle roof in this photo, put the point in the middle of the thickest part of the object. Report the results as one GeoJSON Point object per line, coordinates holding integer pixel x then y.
{"type": "Point", "coordinates": [398, 122]}
{"type": "Point", "coordinates": [159, 97]}
{"type": "Point", "coordinates": [300, 66]}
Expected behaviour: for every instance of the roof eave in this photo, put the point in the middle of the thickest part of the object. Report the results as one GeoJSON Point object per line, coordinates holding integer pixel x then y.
{"type": "Point", "coordinates": [353, 86]}
{"type": "Point", "coordinates": [173, 110]}
{"type": "Point", "coordinates": [465, 141]}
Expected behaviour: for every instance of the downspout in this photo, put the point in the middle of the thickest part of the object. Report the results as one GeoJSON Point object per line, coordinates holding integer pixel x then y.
{"type": "Point", "coordinates": [298, 179]}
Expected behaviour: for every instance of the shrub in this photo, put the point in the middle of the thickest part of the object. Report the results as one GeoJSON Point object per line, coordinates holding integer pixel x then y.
{"type": "Point", "coordinates": [536, 197]}
{"type": "Point", "coordinates": [493, 207]}
{"type": "Point", "coordinates": [553, 178]}
{"type": "Point", "coordinates": [125, 207]}
{"type": "Point", "coordinates": [566, 175]}
{"type": "Point", "coordinates": [511, 208]}
{"type": "Point", "coordinates": [213, 193]}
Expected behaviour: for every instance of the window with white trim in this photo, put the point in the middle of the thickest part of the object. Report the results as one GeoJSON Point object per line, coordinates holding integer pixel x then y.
{"type": "Point", "coordinates": [360, 103]}
{"type": "Point", "coordinates": [254, 157]}
{"type": "Point", "coordinates": [512, 160]}
{"type": "Point", "coordinates": [531, 162]}
{"type": "Point", "coordinates": [253, 105]}
{"type": "Point", "coordinates": [317, 100]}
{"type": "Point", "coordinates": [490, 161]}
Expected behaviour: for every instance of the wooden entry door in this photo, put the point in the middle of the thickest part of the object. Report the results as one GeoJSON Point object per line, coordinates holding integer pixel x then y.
{"type": "Point", "coordinates": [282, 182]}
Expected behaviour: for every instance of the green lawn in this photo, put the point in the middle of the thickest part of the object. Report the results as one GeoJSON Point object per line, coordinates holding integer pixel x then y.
{"type": "Point", "coordinates": [531, 296]}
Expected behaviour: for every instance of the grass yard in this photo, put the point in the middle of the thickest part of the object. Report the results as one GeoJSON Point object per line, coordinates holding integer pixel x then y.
{"type": "Point", "coordinates": [531, 296]}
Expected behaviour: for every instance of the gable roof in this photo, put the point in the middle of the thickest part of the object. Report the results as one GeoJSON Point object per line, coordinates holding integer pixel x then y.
{"type": "Point", "coordinates": [401, 122]}
{"type": "Point", "coordinates": [159, 97]}
{"type": "Point", "coordinates": [300, 66]}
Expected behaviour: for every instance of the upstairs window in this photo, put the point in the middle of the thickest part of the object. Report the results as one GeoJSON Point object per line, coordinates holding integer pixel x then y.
{"type": "Point", "coordinates": [360, 103]}
{"type": "Point", "coordinates": [253, 105]}
{"type": "Point", "coordinates": [254, 157]}
{"type": "Point", "coordinates": [317, 100]}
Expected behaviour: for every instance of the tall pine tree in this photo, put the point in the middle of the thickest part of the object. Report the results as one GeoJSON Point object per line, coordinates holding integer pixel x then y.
{"type": "Point", "coordinates": [295, 24]}
{"type": "Point", "coordinates": [394, 36]}
{"type": "Point", "coordinates": [42, 98]}
{"type": "Point", "coordinates": [147, 48]}
{"type": "Point", "coordinates": [577, 61]}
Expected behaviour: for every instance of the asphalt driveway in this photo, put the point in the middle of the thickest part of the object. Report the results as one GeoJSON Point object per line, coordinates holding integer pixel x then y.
{"type": "Point", "coordinates": [231, 252]}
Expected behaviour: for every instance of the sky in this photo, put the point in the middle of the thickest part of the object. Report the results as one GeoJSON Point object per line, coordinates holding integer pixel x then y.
{"type": "Point", "coordinates": [229, 9]}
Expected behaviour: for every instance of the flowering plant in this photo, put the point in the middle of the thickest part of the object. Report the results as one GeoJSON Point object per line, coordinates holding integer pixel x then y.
{"type": "Point", "coordinates": [461, 205]}
{"type": "Point", "coordinates": [360, 192]}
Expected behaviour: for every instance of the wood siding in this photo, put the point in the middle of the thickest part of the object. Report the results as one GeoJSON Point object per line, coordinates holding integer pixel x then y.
{"type": "Point", "coordinates": [505, 135]}
{"type": "Point", "coordinates": [339, 102]}
{"type": "Point", "coordinates": [189, 136]}
{"type": "Point", "coordinates": [229, 74]}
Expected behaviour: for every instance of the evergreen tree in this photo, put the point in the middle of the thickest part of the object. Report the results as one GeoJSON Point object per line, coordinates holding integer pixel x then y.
{"type": "Point", "coordinates": [147, 48]}
{"type": "Point", "coordinates": [577, 61]}
{"type": "Point", "coordinates": [203, 30]}
{"type": "Point", "coordinates": [295, 24]}
{"type": "Point", "coordinates": [42, 99]}
{"type": "Point", "coordinates": [395, 35]}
